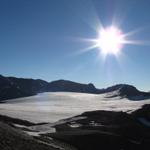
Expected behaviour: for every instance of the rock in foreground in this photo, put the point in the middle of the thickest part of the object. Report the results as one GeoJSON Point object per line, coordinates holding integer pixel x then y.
{"type": "Point", "coordinates": [106, 130]}
{"type": "Point", "coordinates": [95, 130]}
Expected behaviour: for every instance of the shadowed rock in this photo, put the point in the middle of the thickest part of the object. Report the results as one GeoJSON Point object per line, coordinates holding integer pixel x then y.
{"type": "Point", "coordinates": [106, 130]}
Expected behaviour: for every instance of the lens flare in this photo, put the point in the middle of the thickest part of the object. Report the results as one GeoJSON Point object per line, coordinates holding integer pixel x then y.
{"type": "Point", "coordinates": [110, 40]}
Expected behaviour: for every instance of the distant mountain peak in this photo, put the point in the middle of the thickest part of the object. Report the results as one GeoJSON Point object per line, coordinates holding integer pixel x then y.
{"type": "Point", "coordinates": [126, 90]}
{"type": "Point", "coordinates": [70, 86]}
{"type": "Point", "coordinates": [12, 87]}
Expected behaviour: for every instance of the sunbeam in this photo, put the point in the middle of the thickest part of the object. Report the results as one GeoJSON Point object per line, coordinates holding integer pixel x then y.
{"type": "Point", "coordinates": [111, 40]}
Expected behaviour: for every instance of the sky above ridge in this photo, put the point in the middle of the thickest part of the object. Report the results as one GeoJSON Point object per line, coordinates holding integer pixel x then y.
{"type": "Point", "coordinates": [45, 39]}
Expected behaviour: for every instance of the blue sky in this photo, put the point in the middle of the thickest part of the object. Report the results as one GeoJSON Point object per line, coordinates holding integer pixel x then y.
{"type": "Point", "coordinates": [40, 39]}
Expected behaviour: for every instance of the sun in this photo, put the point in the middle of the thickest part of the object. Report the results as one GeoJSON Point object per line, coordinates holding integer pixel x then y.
{"type": "Point", "coordinates": [110, 40]}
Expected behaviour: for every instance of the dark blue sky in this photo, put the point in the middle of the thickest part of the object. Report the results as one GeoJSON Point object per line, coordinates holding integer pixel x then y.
{"type": "Point", "coordinates": [40, 39]}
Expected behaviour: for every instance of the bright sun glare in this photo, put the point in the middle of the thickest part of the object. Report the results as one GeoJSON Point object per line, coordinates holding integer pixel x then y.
{"type": "Point", "coordinates": [110, 40]}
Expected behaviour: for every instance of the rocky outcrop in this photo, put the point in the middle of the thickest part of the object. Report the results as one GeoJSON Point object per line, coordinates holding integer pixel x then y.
{"type": "Point", "coordinates": [106, 130]}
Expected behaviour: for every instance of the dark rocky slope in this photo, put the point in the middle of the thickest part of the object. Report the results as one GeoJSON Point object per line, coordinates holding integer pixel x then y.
{"type": "Point", "coordinates": [14, 139]}
{"type": "Point", "coordinates": [107, 130]}
{"type": "Point", "coordinates": [128, 91]}
{"type": "Point", "coordinates": [11, 87]}
{"type": "Point", "coordinates": [95, 130]}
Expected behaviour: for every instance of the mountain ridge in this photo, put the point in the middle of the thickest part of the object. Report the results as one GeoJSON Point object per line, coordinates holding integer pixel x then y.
{"type": "Point", "coordinates": [12, 87]}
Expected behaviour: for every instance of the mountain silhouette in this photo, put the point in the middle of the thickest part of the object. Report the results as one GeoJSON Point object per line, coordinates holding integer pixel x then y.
{"type": "Point", "coordinates": [125, 90]}
{"type": "Point", "coordinates": [69, 86]}
{"type": "Point", "coordinates": [12, 87]}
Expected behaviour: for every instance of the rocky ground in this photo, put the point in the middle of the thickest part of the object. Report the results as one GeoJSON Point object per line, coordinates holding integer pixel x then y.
{"type": "Point", "coordinates": [107, 130]}
{"type": "Point", "coordinates": [93, 130]}
{"type": "Point", "coordinates": [14, 135]}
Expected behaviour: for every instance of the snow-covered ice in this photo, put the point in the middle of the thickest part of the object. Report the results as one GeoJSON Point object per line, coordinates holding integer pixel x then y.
{"type": "Point", "coordinates": [53, 106]}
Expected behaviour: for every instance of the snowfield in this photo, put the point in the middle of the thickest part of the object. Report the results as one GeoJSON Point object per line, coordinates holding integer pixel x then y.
{"type": "Point", "coordinates": [53, 106]}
